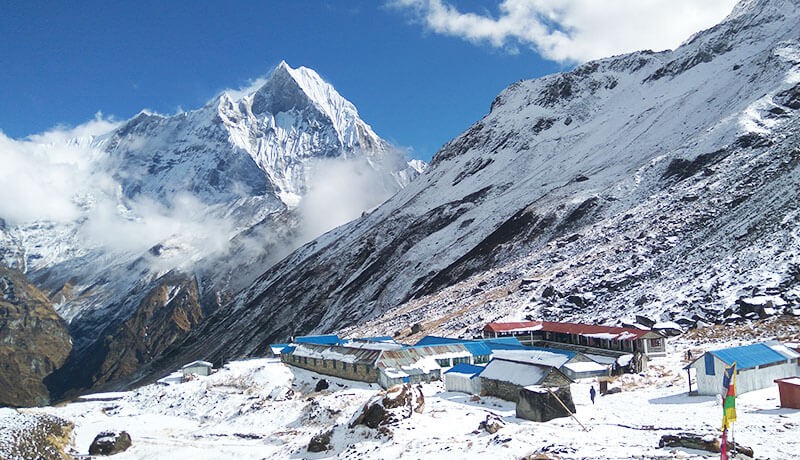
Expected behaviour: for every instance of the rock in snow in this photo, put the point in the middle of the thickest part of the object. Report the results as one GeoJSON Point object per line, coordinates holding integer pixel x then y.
{"type": "Point", "coordinates": [110, 443]}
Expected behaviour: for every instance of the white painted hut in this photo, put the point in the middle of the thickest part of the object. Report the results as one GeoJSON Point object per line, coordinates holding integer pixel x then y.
{"type": "Point", "coordinates": [463, 378]}
{"type": "Point", "coordinates": [197, 368]}
{"type": "Point", "coordinates": [757, 366]}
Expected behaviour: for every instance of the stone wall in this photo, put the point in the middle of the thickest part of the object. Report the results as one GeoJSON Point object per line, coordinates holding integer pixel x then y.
{"type": "Point", "coordinates": [539, 405]}
{"type": "Point", "coordinates": [362, 372]}
{"type": "Point", "coordinates": [500, 389]}
{"type": "Point", "coordinates": [556, 379]}
{"type": "Point", "coordinates": [510, 391]}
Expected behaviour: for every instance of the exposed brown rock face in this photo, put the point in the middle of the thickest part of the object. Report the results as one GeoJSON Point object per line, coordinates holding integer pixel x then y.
{"type": "Point", "coordinates": [166, 314]}
{"type": "Point", "coordinates": [33, 341]}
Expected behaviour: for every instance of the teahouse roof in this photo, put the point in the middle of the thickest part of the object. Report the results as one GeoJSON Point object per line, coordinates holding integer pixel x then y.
{"type": "Point", "coordinates": [587, 330]}
{"type": "Point", "coordinates": [757, 354]}
{"type": "Point", "coordinates": [470, 370]}
{"type": "Point", "coordinates": [197, 364]}
{"type": "Point", "coordinates": [319, 339]}
{"type": "Point", "coordinates": [537, 356]}
{"type": "Point", "coordinates": [518, 373]}
{"type": "Point", "coordinates": [347, 354]}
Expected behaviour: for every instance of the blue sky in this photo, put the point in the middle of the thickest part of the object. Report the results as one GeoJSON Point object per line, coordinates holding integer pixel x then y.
{"type": "Point", "coordinates": [418, 79]}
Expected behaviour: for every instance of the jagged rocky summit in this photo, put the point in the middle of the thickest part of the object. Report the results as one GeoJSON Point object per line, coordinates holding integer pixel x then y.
{"type": "Point", "coordinates": [662, 184]}
{"type": "Point", "coordinates": [193, 207]}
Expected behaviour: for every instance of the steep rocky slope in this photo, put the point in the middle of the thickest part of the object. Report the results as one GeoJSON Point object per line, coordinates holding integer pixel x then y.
{"type": "Point", "coordinates": [33, 341]}
{"type": "Point", "coordinates": [663, 183]}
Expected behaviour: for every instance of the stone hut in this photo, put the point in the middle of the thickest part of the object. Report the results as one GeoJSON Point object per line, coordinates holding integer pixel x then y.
{"type": "Point", "coordinates": [504, 378]}
{"type": "Point", "coordinates": [352, 362]}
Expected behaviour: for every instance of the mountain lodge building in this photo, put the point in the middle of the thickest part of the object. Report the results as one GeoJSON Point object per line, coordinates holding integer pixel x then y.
{"type": "Point", "coordinates": [616, 339]}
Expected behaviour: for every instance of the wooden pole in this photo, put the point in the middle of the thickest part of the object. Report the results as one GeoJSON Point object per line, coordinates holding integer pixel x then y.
{"type": "Point", "coordinates": [567, 409]}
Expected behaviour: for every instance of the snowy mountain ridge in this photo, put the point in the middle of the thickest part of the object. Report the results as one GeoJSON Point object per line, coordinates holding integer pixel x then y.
{"type": "Point", "coordinates": [662, 183]}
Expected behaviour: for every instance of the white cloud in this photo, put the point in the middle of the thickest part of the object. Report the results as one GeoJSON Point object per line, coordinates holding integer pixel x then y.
{"type": "Point", "coordinates": [46, 176]}
{"type": "Point", "coordinates": [61, 176]}
{"type": "Point", "coordinates": [574, 30]}
{"type": "Point", "coordinates": [339, 191]}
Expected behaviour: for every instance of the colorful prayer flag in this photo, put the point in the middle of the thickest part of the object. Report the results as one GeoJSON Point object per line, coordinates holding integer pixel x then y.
{"type": "Point", "coordinates": [723, 445]}
{"type": "Point", "coordinates": [728, 397]}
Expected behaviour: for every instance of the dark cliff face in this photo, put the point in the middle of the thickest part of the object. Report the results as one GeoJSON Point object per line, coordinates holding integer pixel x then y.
{"type": "Point", "coordinates": [33, 341]}
{"type": "Point", "coordinates": [167, 312]}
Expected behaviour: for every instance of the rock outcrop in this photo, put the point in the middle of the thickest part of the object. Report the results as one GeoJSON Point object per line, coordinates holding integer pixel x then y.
{"type": "Point", "coordinates": [33, 341]}
{"type": "Point", "coordinates": [391, 406]}
{"type": "Point", "coordinates": [110, 443]}
{"type": "Point", "coordinates": [165, 315]}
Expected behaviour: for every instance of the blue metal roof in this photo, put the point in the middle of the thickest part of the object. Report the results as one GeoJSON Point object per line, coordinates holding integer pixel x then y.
{"type": "Point", "coordinates": [319, 339]}
{"type": "Point", "coordinates": [280, 347]}
{"type": "Point", "coordinates": [749, 356]}
{"type": "Point", "coordinates": [502, 341]}
{"type": "Point", "coordinates": [435, 340]}
{"type": "Point", "coordinates": [477, 348]}
{"type": "Point", "coordinates": [465, 369]}
{"type": "Point", "coordinates": [382, 338]}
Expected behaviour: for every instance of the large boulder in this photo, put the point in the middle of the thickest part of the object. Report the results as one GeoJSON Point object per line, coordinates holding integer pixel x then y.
{"type": "Point", "coordinates": [322, 384]}
{"type": "Point", "coordinates": [389, 407]}
{"type": "Point", "coordinates": [321, 442]}
{"type": "Point", "coordinates": [110, 443]}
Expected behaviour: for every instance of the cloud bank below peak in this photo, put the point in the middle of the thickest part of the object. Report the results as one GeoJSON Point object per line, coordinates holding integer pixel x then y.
{"type": "Point", "coordinates": [573, 31]}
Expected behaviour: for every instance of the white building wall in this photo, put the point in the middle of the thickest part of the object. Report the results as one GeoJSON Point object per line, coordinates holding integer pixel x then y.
{"type": "Point", "coordinates": [198, 370]}
{"type": "Point", "coordinates": [746, 380]}
{"type": "Point", "coordinates": [462, 383]}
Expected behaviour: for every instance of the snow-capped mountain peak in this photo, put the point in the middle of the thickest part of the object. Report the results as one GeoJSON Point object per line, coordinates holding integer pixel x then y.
{"type": "Point", "coordinates": [216, 194]}
{"type": "Point", "coordinates": [287, 89]}
{"type": "Point", "coordinates": [294, 118]}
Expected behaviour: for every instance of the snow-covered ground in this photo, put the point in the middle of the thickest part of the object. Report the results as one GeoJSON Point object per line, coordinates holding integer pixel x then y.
{"type": "Point", "coordinates": [262, 408]}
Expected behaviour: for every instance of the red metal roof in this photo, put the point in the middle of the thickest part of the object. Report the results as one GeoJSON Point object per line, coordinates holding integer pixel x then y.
{"type": "Point", "coordinates": [607, 332]}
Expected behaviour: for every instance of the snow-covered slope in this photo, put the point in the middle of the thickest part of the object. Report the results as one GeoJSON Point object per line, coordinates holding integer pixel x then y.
{"type": "Point", "coordinates": [194, 206]}
{"type": "Point", "coordinates": [263, 409]}
{"type": "Point", "coordinates": [663, 183]}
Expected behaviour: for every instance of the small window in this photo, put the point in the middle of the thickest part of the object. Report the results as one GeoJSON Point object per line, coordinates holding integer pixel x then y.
{"type": "Point", "coordinates": [709, 361]}
{"type": "Point", "coordinates": [334, 364]}
{"type": "Point", "coordinates": [355, 368]}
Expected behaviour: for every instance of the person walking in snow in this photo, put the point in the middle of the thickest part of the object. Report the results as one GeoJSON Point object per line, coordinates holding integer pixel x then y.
{"type": "Point", "coordinates": [592, 393]}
